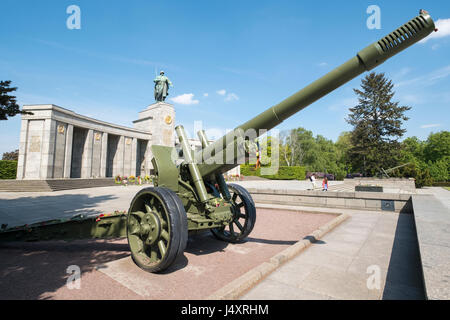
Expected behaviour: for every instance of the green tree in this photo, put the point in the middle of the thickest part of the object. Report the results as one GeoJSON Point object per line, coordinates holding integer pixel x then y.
{"type": "Point", "coordinates": [297, 147]}
{"type": "Point", "coordinates": [423, 178]}
{"type": "Point", "coordinates": [377, 125]}
{"type": "Point", "coordinates": [411, 153]}
{"type": "Point", "coordinates": [412, 149]}
{"type": "Point", "coordinates": [429, 161]}
{"type": "Point", "coordinates": [343, 147]}
{"type": "Point", "coordinates": [8, 103]}
{"type": "Point", "coordinates": [437, 146]}
{"type": "Point", "coordinates": [289, 147]}
{"type": "Point", "coordinates": [439, 169]}
{"type": "Point", "coordinates": [14, 155]}
{"type": "Point", "coordinates": [306, 147]}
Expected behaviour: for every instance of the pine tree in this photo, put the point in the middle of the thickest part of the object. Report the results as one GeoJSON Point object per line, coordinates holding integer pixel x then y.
{"type": "Point", "coordinates": [377, 125]}
{"type": "Point", "coordinates": [8, 104]}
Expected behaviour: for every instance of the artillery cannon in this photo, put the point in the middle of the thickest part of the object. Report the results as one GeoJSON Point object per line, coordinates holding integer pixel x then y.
{"type": "Point", "coordinates": [192, 195]}
{"type": "Point", "coordinates": [382, 172]}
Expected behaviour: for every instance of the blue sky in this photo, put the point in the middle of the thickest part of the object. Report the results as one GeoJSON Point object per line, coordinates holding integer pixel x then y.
{"type": "Point", "coordinates": [228, 60]}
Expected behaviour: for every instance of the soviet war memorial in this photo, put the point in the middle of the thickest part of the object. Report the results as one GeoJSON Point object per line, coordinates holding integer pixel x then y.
{"type": "Point", "coordinates": [195, 153]}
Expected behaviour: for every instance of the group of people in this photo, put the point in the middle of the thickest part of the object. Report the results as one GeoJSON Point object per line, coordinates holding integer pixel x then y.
{"type": "Point", "coordinates": [312, 178]}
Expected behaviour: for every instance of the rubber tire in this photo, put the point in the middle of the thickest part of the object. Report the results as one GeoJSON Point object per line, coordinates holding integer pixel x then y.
{"type": "Point", "coordinates": [177, 231]}
{"type": "Point", "coordinates": [183, 221]}
{"type": "Point", "coordinates": [249, 206]}
{"type": "Point", "coordinates": [249, 197]}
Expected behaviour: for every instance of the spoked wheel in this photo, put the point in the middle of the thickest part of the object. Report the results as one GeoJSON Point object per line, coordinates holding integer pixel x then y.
{"type": "Point", "coordinates": [244, 216]}
{"type": "Point", "coordinates": [156, 228]}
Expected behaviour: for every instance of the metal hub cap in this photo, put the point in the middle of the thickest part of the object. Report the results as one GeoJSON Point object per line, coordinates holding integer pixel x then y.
{"type": "Point", "coordinates": [151, 228]}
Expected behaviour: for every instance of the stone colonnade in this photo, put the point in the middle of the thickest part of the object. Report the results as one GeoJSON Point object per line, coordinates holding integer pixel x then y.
{"type": "Point", "coordinates": [58, 143]}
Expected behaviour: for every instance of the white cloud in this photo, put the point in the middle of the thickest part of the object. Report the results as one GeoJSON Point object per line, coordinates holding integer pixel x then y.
{"type": "Point", "coordinates": [440, 74]}
{"type": "Point", "coordinates": [425, 126]}
{"type": "Point", "coordinates": [322, 64]}
{"type": "Point", "coordinates": [403, 72]}
{"type": "Point", "coordinates": [231, 97]}
{"type": "Point", "coordinates": [443, 26]}
{"type": "Point", "coordinates": [205, 94]}
{"type": "Point", "coordinates": [185, 99]}
{"type": "Point", "coordinates": [428, 79]}
{"type": "Point", "coordinates": [435, 46]}
{"type": "Point", "coordinates": [228, 97]}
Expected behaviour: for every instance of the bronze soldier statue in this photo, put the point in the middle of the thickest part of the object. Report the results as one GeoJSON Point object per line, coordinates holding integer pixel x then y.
{"type": "Point", "coordinates": [161, 87]}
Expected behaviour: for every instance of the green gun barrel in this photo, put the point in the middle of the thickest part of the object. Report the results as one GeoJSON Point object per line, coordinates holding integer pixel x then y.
{"type": "Point", "coordinates": [366, 59]}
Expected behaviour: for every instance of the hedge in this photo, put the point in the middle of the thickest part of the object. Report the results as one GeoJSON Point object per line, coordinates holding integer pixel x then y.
{"type": "Point", "coordinates": [8, 169]}
{"type": "Point", "coordinates": [441, 184]}
{"type": "Point", "coordinates": [284, 173]}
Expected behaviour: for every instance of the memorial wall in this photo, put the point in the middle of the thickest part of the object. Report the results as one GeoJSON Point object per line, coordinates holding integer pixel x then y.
{"type": "Point", "coordinates": [59, 143]}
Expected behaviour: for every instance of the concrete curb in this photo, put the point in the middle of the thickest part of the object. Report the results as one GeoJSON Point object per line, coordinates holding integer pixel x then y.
{"type": "Point", "coordinates": [244, 283]}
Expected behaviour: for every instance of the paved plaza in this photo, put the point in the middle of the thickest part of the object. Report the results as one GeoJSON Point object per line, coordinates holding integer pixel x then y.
{"type": "Point", "coordinates": [38, 270]}
{"type": "Point", "coordinates": [19, 208]}
{"type": "Point", "coordinates": [339, 265]}
{"type": "Point", "coordinates": [371, 255]}
{"type": "Point", "coordinates": [432, 218]}
{"type": "Point", "coordinates": [342, 264]}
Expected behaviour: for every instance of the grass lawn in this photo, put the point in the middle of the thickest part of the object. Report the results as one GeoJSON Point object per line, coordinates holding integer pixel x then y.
{"type": "Point", "coordinates": [448, 188]}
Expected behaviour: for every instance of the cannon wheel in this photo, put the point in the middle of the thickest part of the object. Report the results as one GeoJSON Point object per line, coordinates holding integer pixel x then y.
{"type": "Point", "coordinates": [244, 216]}
{"type": "Point", "coordinates": [157, 228]}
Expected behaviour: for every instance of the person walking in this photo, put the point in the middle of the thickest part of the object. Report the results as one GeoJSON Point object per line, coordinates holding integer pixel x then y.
{"type": "Point", "coordinates": [325, 184]}
{"type": "Point", "coordinates": [312, 178]}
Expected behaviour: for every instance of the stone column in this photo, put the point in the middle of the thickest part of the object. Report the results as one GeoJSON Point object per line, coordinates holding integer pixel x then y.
{"type": "Point", "coordinates": [148, 158]}
{"type": "Point", "coordinates": [96, 154]}
{"type": "Point", "coordinates": [60, 150]}
{"type": "Point", "coordinates": [104, 155]}
{"type": "Point", "coordinates": [133, 156]}
{"type": "Point", "coordinates": [118, 158]}
{"type": "Point", "coordinates": [68, 151]}
{"type": "Point", "coordinates": [86, 167]}
{"type": "Point", "coordinates": [48, 148]}
{"type": "Point", "coordinates": [22, 149]}
{"type": "Point", "coordinates": [127, 156]}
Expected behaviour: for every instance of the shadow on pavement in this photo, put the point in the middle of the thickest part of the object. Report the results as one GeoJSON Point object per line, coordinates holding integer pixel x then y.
{"type": "Point", "coordinates": [204, 243]}
{"type": "Point", "coordinates": [179, 264]}
{"type": "Point", "coordinates": [34, 209]}
{"type": "Point", "coordinates": [269, 241]}
{"type": "Point", "coordinates": [404, 279]}
{"type": "Point", "coordinates": [35, 270]}
{"type": "Point", "coordinates": [313, 239]}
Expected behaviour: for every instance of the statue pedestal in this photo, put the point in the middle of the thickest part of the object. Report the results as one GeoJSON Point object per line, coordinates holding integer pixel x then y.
{"type": "Point", "coordinates": [159, 120]}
